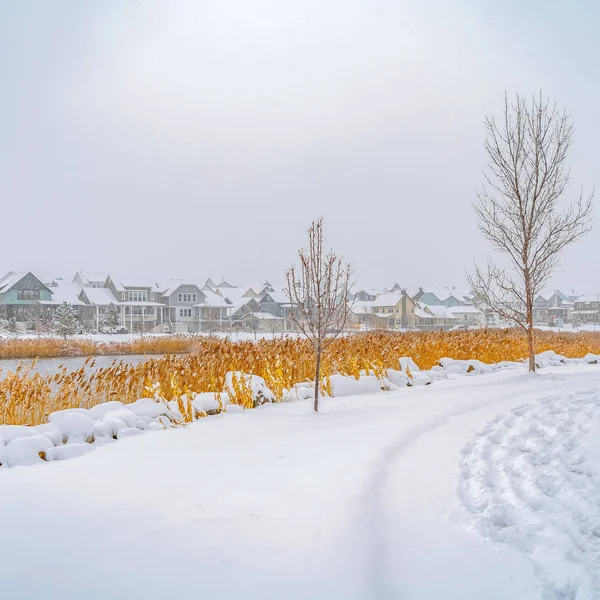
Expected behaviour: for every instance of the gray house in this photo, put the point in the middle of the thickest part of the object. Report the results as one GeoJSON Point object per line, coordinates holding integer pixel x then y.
{"type": "Point", "coordinates": [20, 295]}
{"type": "Point", "coordinates": [139, 300]}
{"type": "Point", "coordinates": [181, 299]}
{"type": "Point", "coordinates": [278, 304]}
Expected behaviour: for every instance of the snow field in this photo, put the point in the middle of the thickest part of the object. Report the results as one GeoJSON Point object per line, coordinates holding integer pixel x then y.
{"type": "Point", "coordinates": [358, 502]}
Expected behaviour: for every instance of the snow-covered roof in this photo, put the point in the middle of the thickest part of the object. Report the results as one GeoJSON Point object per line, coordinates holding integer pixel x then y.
{"type": "Point", "coordinates": [225, 284]}
{"type": "Point", "coordinates": [256, 287]}
{"type": "Point", "coordinates": [422, 314]}
{"type": "Point", "coordinates": [361, 307]}
{"type": "Point", "coordinates": [281, 297]}
{"type": "Point", "coordinates": [442, 294]}
{"type": "Point", "coordinates": [9, 280]}
{"type": "Point", "coordinates": [586, 299]}
{"type": "Point", "coordinates": [389, 299]}
{"type": "Point", "coordinates": [169, 287]}
{"type": "Point", "coordinates": [100, 296]}
{"type": "Point", "coordinates": [90, 277]}
{"type": "Point", "coordinates": [213, 300]}
{"type": "Point", "coordinates": [65, 291]}
{"type": "Point", "coordinates": [122, 284]}
{"type": "Point", "coordinates": [136, 283]}
{"type": "Point", "coordinates": [237, 298]}
{"type": "Point", "coordinates": [439, 311]}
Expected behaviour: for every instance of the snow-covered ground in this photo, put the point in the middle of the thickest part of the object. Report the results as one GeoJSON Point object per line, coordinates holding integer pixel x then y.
{"type": "Point", "coordinates": [476, 487]}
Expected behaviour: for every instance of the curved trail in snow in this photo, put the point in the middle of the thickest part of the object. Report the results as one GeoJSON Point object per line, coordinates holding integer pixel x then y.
{"type": "Point", "coordinates": [524, 481]}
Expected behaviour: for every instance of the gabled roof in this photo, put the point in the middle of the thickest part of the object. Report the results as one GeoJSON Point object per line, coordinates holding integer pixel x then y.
{"type": "Point", "coordinates": [254, 289]}
{"type": "Point", "coordinates": [224, 284]}
{"type": "Point", "coordinates": [90, 277]}
{"type": "Point", "coordinates": [389, 299]}
{"type": "Point", "coordinates": [122, 284]}
{"type": "Point", "coordinates": [11, 279]}
{"type": "Point", "coordinates": [439, 311]}
{"type": "Point", "coordinates": [65, 291]}
{"type": "Point", "coordinates": [213, 300]}
{"type": "Point", "coordinates": [422, 313]}
{"type": "Point", "coordinates": [169, 287]}
{"type": "Point", "coordinates": [99, 296]}
{"type": "Point", "coordinates": [442, 294]}
{"type": "Point", "coordinates": [362, 307]}
{"type": "Point", "coordinates": [278, 296]}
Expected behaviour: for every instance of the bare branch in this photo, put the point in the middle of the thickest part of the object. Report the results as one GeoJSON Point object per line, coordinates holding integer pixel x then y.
{"type": "Point", "coordinates": [518, 207]}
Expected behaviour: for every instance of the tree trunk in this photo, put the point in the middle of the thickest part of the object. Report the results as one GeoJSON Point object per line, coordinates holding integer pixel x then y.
{"type": "Point", "coordinates": [531, 347]}
{"type": "Point", "coordinates": [317, 379]}
{"type": "Point", "coordinates": [529, 315]}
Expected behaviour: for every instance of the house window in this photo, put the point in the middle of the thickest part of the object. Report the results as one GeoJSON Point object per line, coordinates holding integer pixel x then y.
{"type": "Point", "coordinates": [185, 312]}
{"type": "Point", "coordinates": [28, 294]}
{"type": "Point", "coordinates": [137, 295]}
{"type": "Point", "coordinates": [187, 297]}
{"type": "Point", "coordinates": [122, 295]}
{"type": "Point", "coordinates": [151, 296]}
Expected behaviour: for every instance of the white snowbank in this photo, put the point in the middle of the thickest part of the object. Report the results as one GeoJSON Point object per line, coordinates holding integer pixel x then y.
{"type": "Point", "coordinates": [85, 429]}
{"type": "Point", "coordinates": [342, 385]}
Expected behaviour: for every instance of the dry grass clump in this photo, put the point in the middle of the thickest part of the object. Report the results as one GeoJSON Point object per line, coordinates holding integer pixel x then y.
{"type": "Point", "coordinates": [51, 347]}
{"type": "Point", "coordinates": [27, 397]}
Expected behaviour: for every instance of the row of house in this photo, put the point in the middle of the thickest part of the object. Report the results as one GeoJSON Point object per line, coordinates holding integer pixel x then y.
{"type": "Point", "coordinates": [185, 306]}
{"type": "Point", "coordinates": [176, 305]}
{"type": "Point", "coordinates": [421, 309]}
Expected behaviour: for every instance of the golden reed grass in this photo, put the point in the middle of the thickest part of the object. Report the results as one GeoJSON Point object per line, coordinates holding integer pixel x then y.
{"type": "Point", "coordinates": [27, 397]}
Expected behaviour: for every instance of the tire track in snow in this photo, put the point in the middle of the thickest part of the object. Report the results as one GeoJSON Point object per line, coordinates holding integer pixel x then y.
{"type": "Point", "coordinates": [525, 481]}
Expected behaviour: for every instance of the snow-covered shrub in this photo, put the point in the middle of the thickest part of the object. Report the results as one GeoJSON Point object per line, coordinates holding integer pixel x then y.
{"type": "Point", "coordinates": [342, 385]}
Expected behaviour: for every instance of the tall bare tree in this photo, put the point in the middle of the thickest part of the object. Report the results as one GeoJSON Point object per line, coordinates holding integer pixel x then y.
{"type": "Point", "coordinates": [319, 295]}
{"type": "Point", "coordinates": [518, 208]}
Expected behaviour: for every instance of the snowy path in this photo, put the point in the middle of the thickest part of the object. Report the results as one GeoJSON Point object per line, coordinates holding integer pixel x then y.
{"type": "Point", "coordinates": [480, 487]}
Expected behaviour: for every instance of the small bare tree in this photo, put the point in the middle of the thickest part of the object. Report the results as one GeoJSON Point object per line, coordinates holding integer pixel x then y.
{"type": "Point", "coordinates": [319, 295]}
{"type": "Point", "coordinates": [518, 208]}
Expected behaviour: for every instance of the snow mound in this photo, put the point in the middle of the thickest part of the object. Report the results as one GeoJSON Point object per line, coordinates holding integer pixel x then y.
{"type": "Point", "coordinates": [68, 451]}
{"type": "Point", "coordinates": [342, 385]}
{"type": "Point", "coordinates": [26, 450]}
{"type": "Point", "coordinates": [75, 424]}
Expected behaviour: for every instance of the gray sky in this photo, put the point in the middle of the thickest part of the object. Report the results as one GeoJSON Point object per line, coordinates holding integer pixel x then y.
{"type": "Point", "coordinates": [198, 138]}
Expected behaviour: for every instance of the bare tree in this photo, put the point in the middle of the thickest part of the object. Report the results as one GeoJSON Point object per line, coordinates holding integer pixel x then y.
{"type": "Point", "coordinates": [319, 295]}
{"type": "Point", "coordinates": [518, 208]}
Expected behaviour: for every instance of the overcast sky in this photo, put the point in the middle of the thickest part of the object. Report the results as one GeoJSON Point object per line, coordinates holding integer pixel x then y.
{"type": "Point", "coordinates": [199, 138]}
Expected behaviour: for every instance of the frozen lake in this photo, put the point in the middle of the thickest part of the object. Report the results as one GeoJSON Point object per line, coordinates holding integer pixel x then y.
{"type": "Point", "coordinates": [50, 365]}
